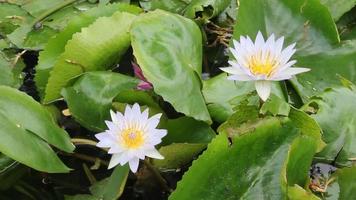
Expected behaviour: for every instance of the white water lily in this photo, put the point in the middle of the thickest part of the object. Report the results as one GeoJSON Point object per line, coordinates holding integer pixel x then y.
{"type": "Point", "coordinates": [131, 136]}
{"type": "Point", "coordinates": [262, 62]}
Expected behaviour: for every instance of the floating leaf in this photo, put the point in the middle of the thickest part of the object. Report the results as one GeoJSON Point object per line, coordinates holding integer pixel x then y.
{"type": "Point", "coordinates": [174, 72]}
{"type": "Point", "coordinates": [308, 23]}
{"type": "Point", "coordinates": [55, 46]}
{"type": "Point", "coordinates": [335, 113]}
{"type": "Point", "coordinates": [29, 115]}
{"type": "Point", "coordinates": [187, 130]}
{"type": "Point", "coordinates": [11, 17]}
{"type": "Point", "coordinates": [205, 9]}
{"type": "Point", "coordinates": [89, 99]}
{"type": "Point", "coordinates": [174, 6]}
{"type": "Point", "coordinates": [10, 73]}
{"type": "Point", "coordinates": [95, 48]}
{"type": "Point", "coordinates": [25, 124]}
{"type": "Point", "coordinates": [177, 155]}
{"type": "Point", "coordinates": [260, 163]}
{"type": "Point", "coordinates": [338, 8]}
{"type": "Point", "coordinates": [343, 186]}
{"type": "Point", "coordinates": [26, 38]}
{"type": "Point", "coordinates": [326, 67]}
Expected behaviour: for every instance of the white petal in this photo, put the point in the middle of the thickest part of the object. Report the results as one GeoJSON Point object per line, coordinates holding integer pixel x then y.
{"type": "Point", "coordinates": [115, 160]}
{"type": "Point", "coordinates": [287, 53]}
{"type": "Point", "coordinates": [232, 70]}
{"type": "Point", "coordinates": [236, 43]}
{"type": "Point", "coordinates": [116, 149]}
{"type": "Point", "coordinates": [136, 111]}
{"type": "Point", "coordinates": [279, 45]}
{"type": "Point", "coordinates": [241, 77]}
{"type": "Point", "coordinates": [153, 140]}
{"type": "Point", "coordinates": [153, 121]}
{"type": "Point", "coordinates": [134, 164]}
{"type": "Point", "coordinates": [105, 139]}
{"type": "Point", "coordinates": [263, 89]}
{"type": "Point", "coordinates": [111, 125]}
{"type": "Point", "coordinates": [281, 78]}
{"type": "Point", "coordinates": [113, 116]}
{"type": "Point", "coordinates": [144, 115]}
{"type": "Point", "coordinates": [259, 42]}
{"type": "Point", "coordinates": [287, 65]}
{"type": "Point", "coordinates": [294, 70]}
{"type": "Point", "coordinates": [125, 157]}
{"type": "Point", "coordinates": [160, 132]}
{"type": "Point", "coordinates": [270, 41]}
{"type": "Point", "coordinates": [128, 112]}
{"type": "Point", "coordinates": [153, 153]}
{"type": "Point", "coordinates": [234, 53]}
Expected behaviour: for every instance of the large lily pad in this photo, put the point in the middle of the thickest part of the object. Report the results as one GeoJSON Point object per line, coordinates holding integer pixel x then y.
{"type": "Point", "coordinates": [336, 114]}
{"type": "Point", "coordinates": [265, 157]}
{"type": "Point", "coordinates": [174, 72]}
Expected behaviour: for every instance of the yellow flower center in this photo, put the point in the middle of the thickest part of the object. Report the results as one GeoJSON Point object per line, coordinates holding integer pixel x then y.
{"type": "Point", "coordinates": [132, 138]}
{"type": "Point", "coordinates": [262, 66]}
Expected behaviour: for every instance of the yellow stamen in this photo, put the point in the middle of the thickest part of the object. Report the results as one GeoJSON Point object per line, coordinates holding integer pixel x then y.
{"type": "Point", "coordinates": [262, 66]}
{"type": "Point", "coordinates": [132, 138]}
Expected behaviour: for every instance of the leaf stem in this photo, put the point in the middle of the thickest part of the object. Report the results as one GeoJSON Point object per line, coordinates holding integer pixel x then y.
{"type": "Point", "coordinates": [81, 141]}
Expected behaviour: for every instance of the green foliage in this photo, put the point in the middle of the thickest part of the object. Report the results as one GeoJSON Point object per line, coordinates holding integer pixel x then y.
{"type": "Point", "coordinates": [264, 150]}
{"type": "Point", "coordinates": [222, 95]}
{"type": "Point", "coordinates": [107, 189]}
{"type": "Point", "coordinates": [10, 69]}
{"type": "Point", "coordinates": [97, 47]}
{"type": "Point", "coordinates": [201, 9]}
{"type": "Point", "coordinates": [55, 46]}
{"type": "Point", "coordinates": [338, 8]}
{"type": "Point", "coordinates": [260, 163]}
{"type": "Point", "coordinates": [326, 67]}
{"type": "Point", "coordinates": [11, 17]}
{"type": "Point", "coordinates": [174, 73]}
{"type": "Point", "coordinates": [178, 155]}
{"type": "Point", "coordinates": [339, 130]}
{"type": "Point", "coordinates": [342, 185]}
{"type": "Point", "coordinates": [34, 127]}
{"type": "Point", "coordinates": [89, 99]}
{"type": "Point", "coordinates": [187, 130]}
